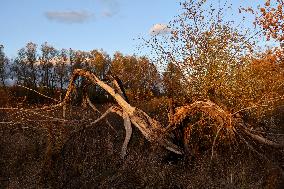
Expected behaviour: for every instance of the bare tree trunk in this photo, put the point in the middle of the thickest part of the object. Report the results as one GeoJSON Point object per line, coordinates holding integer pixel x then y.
{"type": "Point", "coordinates": [149, 127]}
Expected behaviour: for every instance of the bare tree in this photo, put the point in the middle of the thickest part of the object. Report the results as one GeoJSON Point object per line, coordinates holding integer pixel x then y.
{"type": "Point", "coordinates": [25, 66]}
{"type": "Point", "coordinates": [48, 54]}
{"type": "Point", "coordinates": [3, 66]}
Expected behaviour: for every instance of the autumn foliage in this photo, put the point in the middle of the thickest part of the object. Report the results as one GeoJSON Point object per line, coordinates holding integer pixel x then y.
{"type": "Point", "coordinates": [271, 19]}
{"type": "Point", "coordinates": [206, 90]}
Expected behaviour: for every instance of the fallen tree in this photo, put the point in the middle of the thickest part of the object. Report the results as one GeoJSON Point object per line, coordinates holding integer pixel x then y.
{"type": "Point", "coordinates": [199, 123]}
{"type": "Point", "coordinates": [149, 127]}
{"type": "Point", "coordinates": [224, 125]}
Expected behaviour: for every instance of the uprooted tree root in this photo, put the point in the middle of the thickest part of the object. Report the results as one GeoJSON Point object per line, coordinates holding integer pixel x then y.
{"type": "Point", "coordinates": [203, 124]}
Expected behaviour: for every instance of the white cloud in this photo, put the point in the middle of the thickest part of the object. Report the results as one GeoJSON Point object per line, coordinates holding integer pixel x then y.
{"type": "Point", "coordinates": [68, 16]}
{"type": "Point", "coordinates": [159, 29]}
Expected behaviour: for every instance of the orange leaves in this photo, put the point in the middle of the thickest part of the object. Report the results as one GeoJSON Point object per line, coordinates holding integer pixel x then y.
{"type": "Point", "coordinates": [267, 3]}
{"type": "Point", "coordinates": [262, 10]}
{"type": "Point", "coordinates": [138, 74]}
{"type": "Point", "coordinates": [271, 19]}
{"type": "Point", "coordinates": [217, 55]}
{"type": "Point", "coordinates": [260, 81]}
{"type": "Point", "coordinates": [280, 8]}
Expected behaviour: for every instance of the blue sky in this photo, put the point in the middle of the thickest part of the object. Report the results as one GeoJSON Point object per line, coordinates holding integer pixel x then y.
{"type": "Point", "coordinates": [113, 25]}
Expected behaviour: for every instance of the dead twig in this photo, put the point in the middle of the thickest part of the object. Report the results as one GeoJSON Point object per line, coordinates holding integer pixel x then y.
{"type": "Point", "coordinates": [39, 93]}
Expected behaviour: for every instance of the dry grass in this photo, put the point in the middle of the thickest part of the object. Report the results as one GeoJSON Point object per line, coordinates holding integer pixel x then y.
{"type": "Point", "coordinates": [68, 155]}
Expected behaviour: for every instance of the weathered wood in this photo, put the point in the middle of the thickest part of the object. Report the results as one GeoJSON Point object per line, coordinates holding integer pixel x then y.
{"type": "Point", "coordinates": [128, 133]}
{"type": "Point", "coordinates": [149, 127]}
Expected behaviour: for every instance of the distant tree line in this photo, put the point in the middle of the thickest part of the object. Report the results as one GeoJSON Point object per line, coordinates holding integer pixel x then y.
{"type": "Point", "coordinates": [48, 70]}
